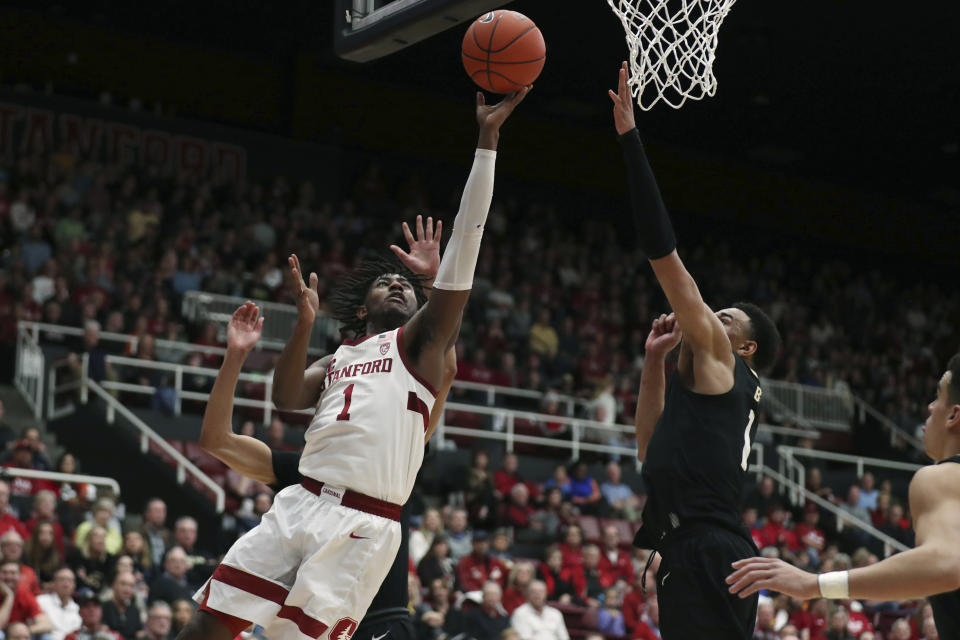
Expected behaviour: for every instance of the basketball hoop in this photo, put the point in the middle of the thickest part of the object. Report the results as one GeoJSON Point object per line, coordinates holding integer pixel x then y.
{"type": "Point", "coordinates": [672, 46]}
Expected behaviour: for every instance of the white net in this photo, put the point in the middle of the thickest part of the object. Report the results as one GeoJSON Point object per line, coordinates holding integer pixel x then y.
{"type": "Point", "coordinates": [672, 45]}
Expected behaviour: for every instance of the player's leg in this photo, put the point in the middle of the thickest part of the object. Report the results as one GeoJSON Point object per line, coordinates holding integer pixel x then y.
{"type": "Point", "coordinates": [692, 593]}
{"type": "Point", "coordinates": [208, 625]}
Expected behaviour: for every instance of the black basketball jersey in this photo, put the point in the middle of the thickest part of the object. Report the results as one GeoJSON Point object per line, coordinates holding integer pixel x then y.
{"type": "Point", "coordinates": [697, 458]}
{"type": "Point", "coordinates": [946, 606]}
{"type": "Point", "coordinates": [392, 598]}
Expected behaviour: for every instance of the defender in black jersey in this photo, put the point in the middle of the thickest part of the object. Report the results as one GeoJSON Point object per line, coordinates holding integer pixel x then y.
{"type": "Point", "coordinates": [932, 568]}
{"type": "Point", "coordinates": [693, 435]}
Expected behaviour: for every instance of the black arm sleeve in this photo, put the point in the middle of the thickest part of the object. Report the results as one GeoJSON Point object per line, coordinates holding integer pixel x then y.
{"type": "Point", "coordinates": [286, 467]}
{"type": "Point", "coordinates": [649, 213]}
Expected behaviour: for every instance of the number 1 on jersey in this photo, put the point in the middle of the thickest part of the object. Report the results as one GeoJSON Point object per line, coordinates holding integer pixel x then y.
{"type": "Point", "coordinates": [348, 393]}
{"type": "Point", "coordinates": [746, 438]}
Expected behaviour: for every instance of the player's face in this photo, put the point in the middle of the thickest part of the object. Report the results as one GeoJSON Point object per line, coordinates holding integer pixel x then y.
{"type": "Point", "coordinates": [942, 412]}
{"type": "Point", "coordinates": [737, 324]}
{"type": "Point", "coordinates": [390, 302]}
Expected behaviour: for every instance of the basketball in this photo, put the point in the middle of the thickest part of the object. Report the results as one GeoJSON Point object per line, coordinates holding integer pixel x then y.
{"type": "Point", "coordinates": [503, 51]}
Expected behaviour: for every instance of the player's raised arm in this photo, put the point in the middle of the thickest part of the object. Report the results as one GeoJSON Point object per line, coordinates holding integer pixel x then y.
{"type": "Point", "coordinates": [434, 328]}
{"type": "Point", "coordinates": [664, 335]}
{"type": "Point", "coordinates": [241, 453]}
{"type": "Point", "coordinates": [295, 386]}
{"type": "Point", "coordinates": [702, 330]}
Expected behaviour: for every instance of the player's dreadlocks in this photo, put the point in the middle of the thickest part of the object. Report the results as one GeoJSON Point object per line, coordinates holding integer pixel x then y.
{"type": "Point", "coordinates": [351, 291]}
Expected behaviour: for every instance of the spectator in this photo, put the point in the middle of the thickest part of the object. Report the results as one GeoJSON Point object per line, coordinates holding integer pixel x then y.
{"type": "Point", "coordinates": [11, 550]}
{"type": "Point", "coordinates": [437, 563]}
{"type": "Point", "coordinates": [596, 581]}
{"type": "Point", "coordinates": [45, 510]}
{"type": "Point", "coordinates": [435, 619]}
{"type": "Point", "coordinates": [103, 516]}
{"type": "Point", "coordinates": [868, 492]}
{"type": "Point", "coordinates": [649, 626]}
{"type": "Point", "coordinates": [97, 367]}
{"type": "Point", "coordinates": [545, 522]}
{"type": "Point", "coordinates": [459, 539]}
{"type": "Point", "coordinates": [762, 498]}
{"type": "Point", "coordinates": [59, 606]}
{"type": "Point", "coordinates": [91, 619]}
{"type": "Point", "coordinates": [536, 620]}
{"type": "Point", "coordinates": [31, 439]}
{"type": "Point", "coordinates": [778, 532]}
{"type": "Point", "coordinates": [620, 499]}
{"type": "Point", "coordinates": [560, 480]}
{"type": "Point", "coordinates": [154, 529]}
{"type": "Point", "coordinates": [543, 337]}
{"type": "Point", "coordinates": [614, 561]}
{"type": "Point", "coordinates": [200, 563]}
{"type": "Point", "coordinates": [584, 491]}
{"type": "Point", "coordinates": [172, 584]}
{"type": "Point", "coordinates": [422, 537]}
{"type": "Point", "coordinates": [487, 621]}
{"type": "Point", "coordinates": [478, 568]}
{"type": "Point", "coordinates": [610, 618]}
{"type": "Point", "coordinates": [277, 436]}
{"type": "Point", "coordinates": [478, 493]}
{"type": "Point", "coordinates": [765, 619]}
{"type": "Point", "coordinates": [815, 484]}
{"type": "Point", "coordinates": [857, 621]}
{"type": "Point", "coordinates": [121, 613]}
{"type": "Point", "coordinates": [183, 612]}
{"type": "Point", "coordinates": [635, 602]}
{"type": "Point", "coordinates": [159, 622]}
{"type": "Point", "coordinates": [135, 547]}
{"type": "Point", "coordinates": [749, 520]}
{"type": "Point", "coordinates": [517, 511]}
{"type": "Point", "coordinates": [572, 547]}
{"type": "Point", "coordinates": [500, 547]}
{"type": "Point", "coordinates": [25, 608]}
{"type": "Point", "coordinates": [8, 520]}
{"type": "Point", "coordinates": [75, 497]}
{"type": "Point", "coordinates": [40, 552]}
{"type": "Point", "coordinates": [929, 630]}
{"type": "Point", "coordinates": [897, 526]}
{"type": "Point", "coordinates": [506, 477]}
{"type": "Point", "coordinates": [563, 585]}
{"type": "Point", "coordinates": [808, 533]}
{"type": "Point", "coordinates": [900, 630]}
{"type": "Point", "coordinates": [854, 535]}
{"type": "Point", "coordinates": [91, 562]}
{"type": "Point", "coordinates": [520, 578]}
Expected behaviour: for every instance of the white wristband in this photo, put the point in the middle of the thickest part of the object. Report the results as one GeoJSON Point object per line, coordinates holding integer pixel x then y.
{"type": "Point", "coordinates": [834, 585]}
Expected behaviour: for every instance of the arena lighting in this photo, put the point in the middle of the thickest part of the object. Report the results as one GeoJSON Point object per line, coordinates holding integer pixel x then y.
{"type": "Point", "coordinates": [365, 30]}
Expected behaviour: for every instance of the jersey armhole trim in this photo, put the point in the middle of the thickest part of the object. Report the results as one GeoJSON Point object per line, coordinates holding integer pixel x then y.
{"type": "Point", "coordinates": [402, 349]}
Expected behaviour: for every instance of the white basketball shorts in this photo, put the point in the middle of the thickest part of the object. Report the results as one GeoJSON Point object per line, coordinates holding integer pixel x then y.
{"type": "Point", "coordinates": [311, 567]}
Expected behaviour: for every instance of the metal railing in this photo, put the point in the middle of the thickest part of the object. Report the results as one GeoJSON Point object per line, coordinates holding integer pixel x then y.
{"type": "Point", "coordinates": [790, 466]}
{"type": "Point", "coordinates": [278, 319]}
{"type": "Point", "coordinates": [56, 476]}
{"type": "Point", "coordinates": [813, 407]}
{"type": "Point", "coordinates": [843, 518]}
{"type": "Point", "coordinates": [28, 372]}
{"type": "Point", "coordinates": [148, 436]}
{"type": "Point", "coordinates": [892, 427]}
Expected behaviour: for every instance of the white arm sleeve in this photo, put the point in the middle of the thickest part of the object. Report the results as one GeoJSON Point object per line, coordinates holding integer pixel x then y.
{"type": "Point", "coordinates": [460, 257]}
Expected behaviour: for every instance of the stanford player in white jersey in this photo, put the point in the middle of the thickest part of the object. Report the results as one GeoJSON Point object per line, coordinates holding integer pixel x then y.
{"type": "Point", "coordinates": [313, 565]}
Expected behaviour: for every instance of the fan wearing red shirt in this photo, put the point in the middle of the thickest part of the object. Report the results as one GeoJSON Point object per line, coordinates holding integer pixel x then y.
{"type": "Point", "coordinates": [517, 510]}
{"type": "Point", "coordinates": [649, 626]}
{"type": "Point", "coordinates": [613, 560]}
{"type": "Point", "coordinates": [635, 603]}
{"type": "Point", "coordinates": [775, 533]}
{"type": "Point", "coordinates": [571, 547]}
{"type": "Point", "coordinates": [506, 477]}
{"type": "Point", "coordinates": [44, 510]}
{"type": "Point", "coordinates": [8, 520]}
{"type": "Point", "coordinates": [479, 567]}
{"type": "Point", "coordinates": [25, 607]}
{"type": "Point", "coordinates": [857, 621]}
{"type": "Point", "coordinates": [808, 534]}
{"type": "Point", "coordinates": [813, 618]}
{"type": "Point", "coordinates": [750, 522]}
{"type": "Point", "coordinates": [521, 576]}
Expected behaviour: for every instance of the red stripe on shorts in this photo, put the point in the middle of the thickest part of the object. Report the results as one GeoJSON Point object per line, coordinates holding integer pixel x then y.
{"type": "Point", "coordinates": [273, 592]}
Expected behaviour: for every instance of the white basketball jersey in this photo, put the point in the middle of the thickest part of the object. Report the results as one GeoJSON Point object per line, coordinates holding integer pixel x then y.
{"type": "Point", "coordinates": [368, 432]}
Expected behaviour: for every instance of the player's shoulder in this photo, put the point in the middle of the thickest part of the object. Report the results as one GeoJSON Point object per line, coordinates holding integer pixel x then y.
{"type": "Point", "coordinates": [936, 481]}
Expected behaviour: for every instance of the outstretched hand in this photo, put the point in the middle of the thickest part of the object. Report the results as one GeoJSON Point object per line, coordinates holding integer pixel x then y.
{"type": "Point", "coordinates": [491, 117]}
{"type": "Point", "coordinates": [423, 254]}
{"type": "Point", "coordinates": [622, 103]}
{"type": "Point", "coordinates": [665, 334]}
{"type": "Point", "coordinates": [754, 574]}
{"type": "Point", "coordinates": [244, 329]}
{"type": "Point", "coordinates": [308, 299]}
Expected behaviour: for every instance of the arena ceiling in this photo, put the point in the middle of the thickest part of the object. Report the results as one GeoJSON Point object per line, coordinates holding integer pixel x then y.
{"type": "Point", "coordinates": [866, 94]}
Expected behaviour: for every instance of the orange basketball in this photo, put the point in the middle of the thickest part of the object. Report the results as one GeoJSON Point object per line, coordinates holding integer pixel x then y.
{"type": "Point", "coordinates": [503, 51]}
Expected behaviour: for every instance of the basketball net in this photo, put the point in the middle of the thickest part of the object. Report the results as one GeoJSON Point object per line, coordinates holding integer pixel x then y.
{"type": "Point", "coordinates": [672, 46]}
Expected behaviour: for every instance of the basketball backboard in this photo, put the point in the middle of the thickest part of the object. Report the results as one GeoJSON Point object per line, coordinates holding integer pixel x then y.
{"type": "Point", "coordinates": [365, 30]}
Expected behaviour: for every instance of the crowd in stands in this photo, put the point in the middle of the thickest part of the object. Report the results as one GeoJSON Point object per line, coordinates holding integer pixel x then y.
{"type": "Point", "coordinates": [555, 307]}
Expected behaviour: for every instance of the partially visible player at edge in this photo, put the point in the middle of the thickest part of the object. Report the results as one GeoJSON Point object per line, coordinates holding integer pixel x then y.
{"type": "Point", "coordinates": [388, 611]}
{"type": "Point", "coordinates": [313, 565]}
{"type": "Point", "coordinates": [932, 568]}
{"type": "Point", "coordinates": [693, 435]}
